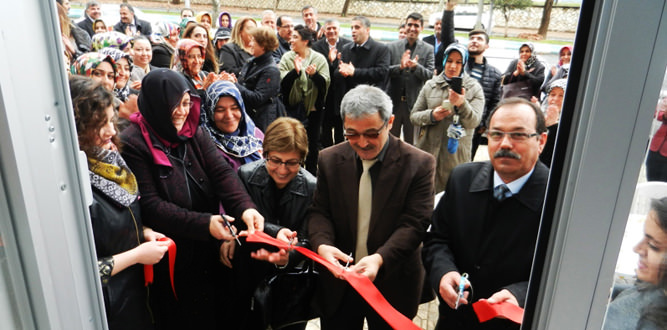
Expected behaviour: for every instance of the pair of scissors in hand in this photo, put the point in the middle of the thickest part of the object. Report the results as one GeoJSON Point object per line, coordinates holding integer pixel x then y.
{"type": "Point", "coordinates": [231, 229]}
{"type": "Point", "coordinates": [462, 286]}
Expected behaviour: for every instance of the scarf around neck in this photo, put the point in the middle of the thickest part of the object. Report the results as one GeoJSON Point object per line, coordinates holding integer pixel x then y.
{"type": "Point", "coordinates": [110, 175]}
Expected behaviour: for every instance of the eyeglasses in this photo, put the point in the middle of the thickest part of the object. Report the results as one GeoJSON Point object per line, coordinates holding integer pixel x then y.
{"type": "Point", "coordinates": [290, 164]}
{"type": "Point", "coordinates": [371, 135]}
{"type": "Point", "coordinates": [514, 136]}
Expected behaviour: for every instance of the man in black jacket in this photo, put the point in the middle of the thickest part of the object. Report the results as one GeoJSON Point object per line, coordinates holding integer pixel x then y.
{"type": "Point", "coordinates": [486, 223]}
{"type": "Point", "coordinates": [130, 25]}
{"type": "Point", "coordinates": [487, 75]}
{"type": "Point", "coordinates": [285, 29]}
{"type": "Point", "coordinates": [330, 47]}
{"type": "Point", "coordinates": [364, 61]}
{"type": "Point", "coordinates": [90, 15]}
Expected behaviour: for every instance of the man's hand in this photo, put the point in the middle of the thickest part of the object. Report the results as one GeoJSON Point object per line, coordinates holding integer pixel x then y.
{"type": "Point", "coordinates": [253, 220]}
{"type": "Point", "coordinates": [368, 266]}
{"type": "Point", "coordinates": [448, 289]}
{"type": "Point", "coordinates": [405, 58]}
{"type": "Point", "coordinates": [333, 54]}
{"type": "Point", "coordinates": [333, 255]}
{"type": "Point", "coordinates": [227, 252]}
{"type": "Point", "coordinates": [346, 69]}
{"type": "Point", "coordinates": [440, 113]}
{"type": "Point", "coordinates": [503, 295]}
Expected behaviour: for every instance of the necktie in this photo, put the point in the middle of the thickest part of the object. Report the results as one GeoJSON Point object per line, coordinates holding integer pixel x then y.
{"type": "Point", "coordinates": [502, 192]}
{"type": "Point", "coordinates": [364, 209]}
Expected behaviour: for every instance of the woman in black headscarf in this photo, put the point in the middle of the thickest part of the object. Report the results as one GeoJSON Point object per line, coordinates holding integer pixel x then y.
{"type": "Point", "coordinates": [526, 67]}
{"type": "Point", "coordinates": [183, 180]}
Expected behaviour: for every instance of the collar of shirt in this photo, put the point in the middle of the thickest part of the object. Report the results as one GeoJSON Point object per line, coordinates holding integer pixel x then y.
{"type": "Point", "coordinates": [516, 185]}
{"type": "Point", "coordinates": [362, 45]}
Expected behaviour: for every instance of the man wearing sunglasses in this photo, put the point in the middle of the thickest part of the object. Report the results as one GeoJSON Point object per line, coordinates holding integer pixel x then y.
{"type": "Point", "coordinates": [371, 208]}
{"type": "Point", "coordinates": [486, 223]}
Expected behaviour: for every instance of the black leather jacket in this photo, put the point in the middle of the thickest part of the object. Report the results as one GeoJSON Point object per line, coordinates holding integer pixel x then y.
{"type": "Point", "coordinates": [117, 229]}
{"type": "Point", "coordinates": [295, 200]}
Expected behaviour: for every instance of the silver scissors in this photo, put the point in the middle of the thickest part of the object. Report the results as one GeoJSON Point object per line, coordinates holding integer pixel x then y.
{"type": "Point", "coordinates": [231, 229]}
{"type": "Point", "coordinates": [462, 286]}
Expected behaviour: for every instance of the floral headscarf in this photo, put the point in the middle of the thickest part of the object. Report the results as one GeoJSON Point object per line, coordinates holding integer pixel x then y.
{"type": "Point", "coordinates": [112, 39]}
{"type": "Point", "coordinates": [88, 62]}
{"type": "Point", "coordinates": [228, 16]}
{"type": "Point", "coordinates": [162, 31]}
{"type": "Point", "coordinates": [240, 144]}
{"type": "Point", "coordinates": [116, 55]}
{"type": "Point", "coordinates": [184, 46]}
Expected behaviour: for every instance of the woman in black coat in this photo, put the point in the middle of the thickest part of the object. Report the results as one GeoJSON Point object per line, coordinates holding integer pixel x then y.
{"type": "Point", "coordinates": [526, 68]}
{"type": "Point", "coordinates": [122, 243]}
{"type": "Point", "coordinates": [259, 80]}
{"type": "Point", "coordinates": [184, 180]}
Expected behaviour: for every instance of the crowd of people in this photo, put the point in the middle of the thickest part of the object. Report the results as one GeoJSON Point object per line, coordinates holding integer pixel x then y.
{"type": "Point", "coordinates": [212, 129]}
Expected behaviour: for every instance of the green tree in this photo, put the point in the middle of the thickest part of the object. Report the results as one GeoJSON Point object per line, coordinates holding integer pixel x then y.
{"type": "Point", "coordinates": [507, 6]}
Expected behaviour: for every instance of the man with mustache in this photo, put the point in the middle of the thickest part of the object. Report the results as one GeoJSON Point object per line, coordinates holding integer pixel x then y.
{"type": "Point", "coordinates": [486, 223]}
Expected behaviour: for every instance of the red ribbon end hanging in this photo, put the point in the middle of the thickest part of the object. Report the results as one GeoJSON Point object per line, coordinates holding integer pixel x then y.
{"type": "Point", "coordinates": [148, 269]}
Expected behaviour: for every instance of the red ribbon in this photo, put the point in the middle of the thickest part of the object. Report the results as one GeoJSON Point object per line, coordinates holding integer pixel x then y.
{"type": "Point", "coordinates": [148, 269]}
{"type": "Point", "coordinates": [360, 283]}
{"type": "Point", "coordinates": [486, 311]}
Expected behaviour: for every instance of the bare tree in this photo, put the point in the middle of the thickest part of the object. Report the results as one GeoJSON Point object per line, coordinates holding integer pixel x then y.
{"type": "Point", "coordinates": [546, 18]}
{"type": "Point", "coordinates": [507, 6]}
{"type": "Point", "coordinates": [346, 5]}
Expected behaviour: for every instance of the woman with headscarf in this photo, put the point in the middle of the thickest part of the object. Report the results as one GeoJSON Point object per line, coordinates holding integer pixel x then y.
{"type": "Point", "coordinates": [205, 19]}
{"type": "Point", "coordinates": [559, 71]}
{"type": "Point", "coordinates": [185, 23]}
{"type": "Point", "coordinates": [552, 108]}
{"type": "Point", "coordinates": [184, 180]}
{"type": "Point", "coordinates": [225, 20]}
{"type": "Point", "coordinates": [164, 44]}
{"type": "Point", "coordinates": [526, 68]}
{"type": "Point", "coordinates": [99, 67]}
{"type": "Point", "coordinates": [445, 119]}
{"type": "Point", "coordinates": [112, 39]}
{"type": "Point", "coordinates": [238, 51]}
{"type": "Point", "coordinates": [305, 81]}
{"type": "Point", "coordinates": [122, 243]}
{"type": "Point", "coordinates": [190, 59]}
{"type": "Point", "coordinates": [200, 34]}
{"type": "Point", "coordinates": [125, 95]}
{"type": "Point", "coordinates": [230, 127]}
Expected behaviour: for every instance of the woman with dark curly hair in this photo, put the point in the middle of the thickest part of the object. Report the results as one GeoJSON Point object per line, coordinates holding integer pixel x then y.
{"type": "Point", "coordinates": [122, 243]}
{"type": "Point", "coordinates": [305, 81]}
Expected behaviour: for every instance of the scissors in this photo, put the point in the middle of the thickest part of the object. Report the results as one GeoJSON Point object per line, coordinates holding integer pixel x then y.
{"type": "Point", "coordinates": [231, 229]}
{"type": "Point", "coordinates": [462, 286]}
{"type": "Point", "coordinates": [347, 264]}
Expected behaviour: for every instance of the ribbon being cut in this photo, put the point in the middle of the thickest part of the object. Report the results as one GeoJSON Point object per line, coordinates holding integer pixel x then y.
{"type": "Point", "coordinates": [148, 269]}
{"type": "Point", "coordinates": [360, 283]}
{"type": "Point", "coordinates": [484, 310]}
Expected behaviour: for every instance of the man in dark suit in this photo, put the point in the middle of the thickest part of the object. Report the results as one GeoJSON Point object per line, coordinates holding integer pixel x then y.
{"type": "Point", "coordinates": [285, 29]}
{"type": "Point", "coordinates": [486, 223]}
{"type": "Point", "coordinates": [330, 47]}
{"type": "Point", "coordinates": [91, 13]}
{"type": "Point", "coordinates": [365, 61]}
{"type": "Point", "coordinates": [130, 25]}
{"type": "Point", "coordinates": [411, 66]}
{"type": "Point", "coordinates": [373, 198]}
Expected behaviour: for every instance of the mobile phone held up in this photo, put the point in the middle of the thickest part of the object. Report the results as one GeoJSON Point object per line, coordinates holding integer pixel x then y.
{"type": "Point", "coordinates": [455, 84]}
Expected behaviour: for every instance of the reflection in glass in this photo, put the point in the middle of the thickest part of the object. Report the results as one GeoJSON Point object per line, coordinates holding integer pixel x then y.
{"type": "Point", "coordinates": [8, 313]}
{"type": "Point", "coordinates": [639, 296]}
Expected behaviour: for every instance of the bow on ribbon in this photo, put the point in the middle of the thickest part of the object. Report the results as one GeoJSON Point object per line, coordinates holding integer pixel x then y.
{"type": "Point", "coordinates": [360, 283]}
{"type": "Point", "coordinates": [148, 269]}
